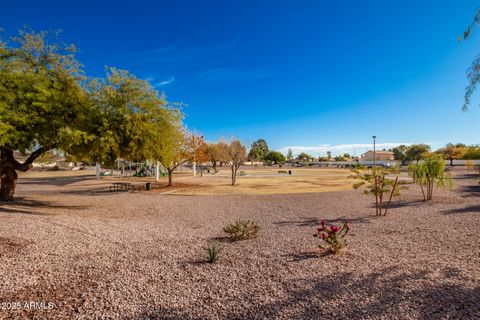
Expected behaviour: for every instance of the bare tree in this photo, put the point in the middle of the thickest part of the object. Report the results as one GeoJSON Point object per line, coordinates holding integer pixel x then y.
{"type": "Point", "coordinates": [237, 153]}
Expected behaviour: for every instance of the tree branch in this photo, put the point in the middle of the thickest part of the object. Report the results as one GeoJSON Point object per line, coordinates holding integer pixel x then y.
{"type": "Point", "coordinates": [9, 161]}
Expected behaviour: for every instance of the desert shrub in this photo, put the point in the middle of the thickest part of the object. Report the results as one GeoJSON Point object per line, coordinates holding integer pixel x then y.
{"type": "Point", "coordinates": [333, 237]}
{"type": "Point", "coordinates": [428, 173]}
{"type": "Point", "coordinates": [213, 252]}
{"type": "Point", "coordinates": [376, 183]}
{"type": "Point", "coordinates": [241, 230]}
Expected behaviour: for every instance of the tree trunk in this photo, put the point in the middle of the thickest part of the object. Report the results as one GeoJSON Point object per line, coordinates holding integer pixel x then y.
{"type": "Point", "coordinates": [234, 175]}
{"type": "Point", "coordinates": [214, 166]}
{"type": "Point", "coordinates": [170, 177]}
{"type": "Point", "coordinates": [8, 178]}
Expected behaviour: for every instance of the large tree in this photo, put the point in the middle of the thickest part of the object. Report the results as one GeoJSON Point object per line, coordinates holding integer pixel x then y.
{"type": "Point", "coordinates": [47, 103]}
{"type": "Point", "coordinates": [258, 150]}
{"type": "Point", "coordinates": [452, 151]}
{"type": "Point", "coordinates": [42, 102]}
{"type": "Point", "coordinates": [128, 120]}
{"type": "Point", "coordinates": [276, 157]}
{"type": "Point", "coordinates": [417, 152]}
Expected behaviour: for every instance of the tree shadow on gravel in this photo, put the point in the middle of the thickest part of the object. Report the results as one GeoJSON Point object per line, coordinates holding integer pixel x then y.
{"type": "Point", "coordinates": [385, 294]}
{"type": "Point", "coordinates": [470, 191]}
{"type": "Point", "coordinates": [23, 206]}
{"type": "Point", "coordinates": [465, 176]}
{"type": "Point", "coordinates": [469, 209]}
{"type": "Point", "coordinates": [55, 181]}
{"type": "Point", "coordinates": [315, 221]}
{"type": "Point", "coordinates": [404, 203]}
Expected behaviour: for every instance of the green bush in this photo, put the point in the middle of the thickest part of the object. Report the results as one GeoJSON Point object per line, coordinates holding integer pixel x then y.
{"type": "Point", "coordinates": [241, 230]}
{"type": "Point", "coordinates": [430, 172]}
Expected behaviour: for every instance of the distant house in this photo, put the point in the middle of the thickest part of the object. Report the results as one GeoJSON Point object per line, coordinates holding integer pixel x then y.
{"type": "Point", "coordinates": [379, 156]}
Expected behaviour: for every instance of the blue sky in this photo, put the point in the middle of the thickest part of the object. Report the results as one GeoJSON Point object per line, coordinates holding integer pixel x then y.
{"type": "Point", "coordinates": [313, 75]}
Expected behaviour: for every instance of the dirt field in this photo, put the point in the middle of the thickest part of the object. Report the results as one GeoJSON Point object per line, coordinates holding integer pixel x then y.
{"type": "Point", "coordinates": [140, 255]}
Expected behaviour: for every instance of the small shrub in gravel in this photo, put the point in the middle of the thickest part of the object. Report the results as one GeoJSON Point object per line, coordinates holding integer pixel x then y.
{"type": "Point", "coordinates": [213, 252]}
{"type": "Point", "coordinates": [241, 230]}
{"type": "Point", "coordinates": [334, 237]}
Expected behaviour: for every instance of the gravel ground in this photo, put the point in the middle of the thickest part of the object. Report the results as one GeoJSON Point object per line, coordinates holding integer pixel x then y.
{"type": "Point", "coordinates": [140, 255]}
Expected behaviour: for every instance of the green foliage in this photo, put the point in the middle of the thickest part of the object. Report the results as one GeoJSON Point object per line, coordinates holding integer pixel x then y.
{"type": "Point", "coordinates": [46, 102]}
{"type": "Point", "coordinates": [213, 252]}
{"type": "Point", "coordinates": [258, 150]}
{"type": "Point", "coordinates": [430, 172]}
{"type": "Point", "coordinates": [400, 153]}
{"type": "Point", "coordinates": [377, 183]}
{"type": "Point", "coordinates": [334, 237]}
{"type": "Point", "coordinates": [471, 153]}
{"type": "Point", "coordinates": [304, 157]}
{"type": "Point", "coordinates": [275, 157]}
{"type": "Point", "coordinates": [42, 102]}
{"type": "Point", "coordinates": [128, 120]}
{"type": "Point", "coordinates": [241, 230]}
{"type": "Point", "coordinates": [417, 152]}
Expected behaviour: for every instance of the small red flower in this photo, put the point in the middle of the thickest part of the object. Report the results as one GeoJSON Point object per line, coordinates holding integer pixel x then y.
{"type": "Point", "coordinates": [334, 229]}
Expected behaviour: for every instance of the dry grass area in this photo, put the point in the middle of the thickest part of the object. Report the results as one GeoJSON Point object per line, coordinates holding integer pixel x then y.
{"type": "Point", "coordinates": [95, 254]}
{"type": "Point", "coordinates": [269, 181]}
{"type": "Point", "coordinates": [255, 181]}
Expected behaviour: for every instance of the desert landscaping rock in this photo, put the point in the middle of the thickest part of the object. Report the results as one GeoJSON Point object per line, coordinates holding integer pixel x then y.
{"type": "Point", "coordinates": [140, 255]}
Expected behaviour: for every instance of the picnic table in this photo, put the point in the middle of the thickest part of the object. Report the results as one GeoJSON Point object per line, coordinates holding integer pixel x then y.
{"type": "Point", "coordinates": [121, 186]}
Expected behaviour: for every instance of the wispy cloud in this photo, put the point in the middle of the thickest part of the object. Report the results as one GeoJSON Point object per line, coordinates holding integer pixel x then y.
{"type": "Point", "coordinates": [230, 44]}
{"type": "Point", "coordinates": [340, 148]}
{"type": "Point", "coordinates": [165, 82]}
{"type": "Point", "coordinates": [167, 48]}
{"type": "Point", "coordinates": [223, 74]}
{"type": "Point", "coordinates": [176, 52]}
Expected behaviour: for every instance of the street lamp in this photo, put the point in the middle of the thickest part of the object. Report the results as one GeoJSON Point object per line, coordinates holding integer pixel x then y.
{"type": "Point", "coordinates": [374, 153]}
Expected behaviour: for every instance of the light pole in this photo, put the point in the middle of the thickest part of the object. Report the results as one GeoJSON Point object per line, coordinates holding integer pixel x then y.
{"type": "Point", "coordinates": [374, 152]}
